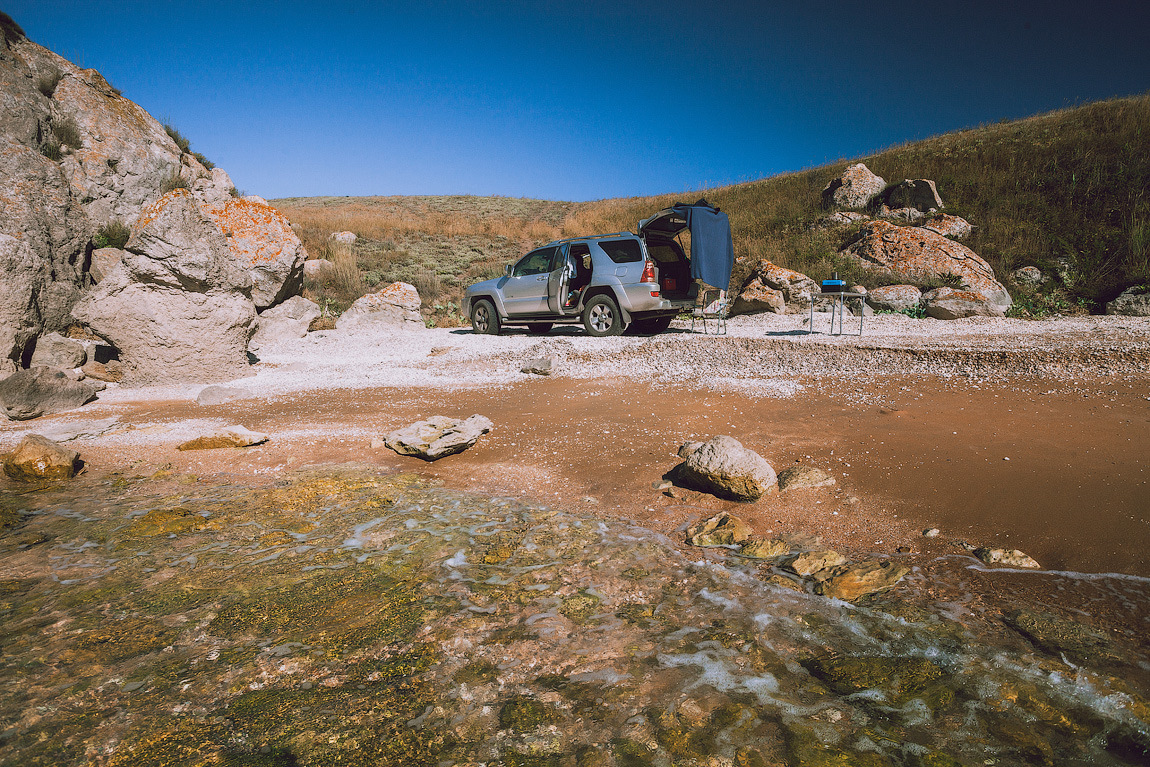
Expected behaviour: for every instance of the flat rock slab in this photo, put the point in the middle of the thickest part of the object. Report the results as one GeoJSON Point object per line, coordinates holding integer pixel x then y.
{"type": "Point", "coordinates": [719, 530]}
{"type": "Point", "coordinates": [38, 391]}
{"type": "Point", "coordinates": [724, 467]}
{"type": "Point", "coordinates": [85, 430]}
{"type": "Point", "coordinates": [804, 476]}
{"type": "Point", "coordinates": [811, 562]}
{"type": "Point", "coordinates": [856, 581]}
{"type": "Point", "coordinates": [438, 436]}
{"type": "Point", "coordinates": [232, 436]}
{"type": "Point", "coordinates": [765, 548]}
{"type": "Point", "coordinates": [38, 457]}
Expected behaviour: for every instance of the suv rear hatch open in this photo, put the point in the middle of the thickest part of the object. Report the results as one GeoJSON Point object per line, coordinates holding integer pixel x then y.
{"type": "Point", "coordinates": [712, 251]}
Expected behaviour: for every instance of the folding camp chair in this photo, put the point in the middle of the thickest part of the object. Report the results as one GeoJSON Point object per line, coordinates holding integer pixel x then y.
{"type": "Point", "coordinates": [714, 305]}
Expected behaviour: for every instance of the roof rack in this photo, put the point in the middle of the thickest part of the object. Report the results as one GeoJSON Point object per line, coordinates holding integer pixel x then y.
{"type": "Point", "coordinates": [592, 237]}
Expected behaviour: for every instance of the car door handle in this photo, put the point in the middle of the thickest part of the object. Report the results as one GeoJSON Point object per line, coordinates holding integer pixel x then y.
{"type": "Point", "coordinates": [541, 279]}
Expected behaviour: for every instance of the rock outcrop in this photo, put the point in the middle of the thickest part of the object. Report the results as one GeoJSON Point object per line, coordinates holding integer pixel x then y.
{"type": "Point", "coordinates": [774, 288]}
{"type": "Point", "coordinates": [919, 194]}
{"type": "Point", "coordinates": [37, 391]}
{"type": "Point", "coordinates": [894, 298]}
{"type": "Point", "coordinates": [179, 308]}
{"type": "Point", "coordinates": [855, 188]}
{"type": "Point", "coordinates": [438, 436]}
{"type": "Point", "coordinates": [55, 351]}
{"type": "Point", "coordinates": [724, 467]}
{"type": "Point", "coordinates": [1134, 302]}
{"type": "Point", "coordinates": [37, 457]}
{"type": "Point", "coordinates": [951, 304]}
{"type": "Point", "coordinates": [949, 226]}
{"type": "Point", "coordinates": [916, 254]}
{"type": "Point", "coordinates": [260, 240]}
{"type": "Point", "coordinates": [397, 305]}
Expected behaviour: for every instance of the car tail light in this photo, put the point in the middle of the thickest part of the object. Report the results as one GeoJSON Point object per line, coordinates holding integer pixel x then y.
{"type": "Point", "coordinates": [648, 272]}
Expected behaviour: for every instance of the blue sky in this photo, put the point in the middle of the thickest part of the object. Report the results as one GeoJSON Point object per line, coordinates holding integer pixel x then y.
{"type": "Point", "coordinates": [582, 101]}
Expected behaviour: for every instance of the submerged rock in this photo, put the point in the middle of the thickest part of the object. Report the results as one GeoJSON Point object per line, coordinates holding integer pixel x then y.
{"type": "Point", "coordinates": [765, 548]}
{"type": "Point", "coordinates": [438, 436]}
{"type": "Point", "coordinates": [857, 581]}
{"type": "Point", "coordinates": [1058, 636]}
{"type": "Point", "coordinates": [720, 530]}
{"type": "Point", "coordinates": [727, 469]}
{"type": "Point", "coordinates": [232, 436]}
{"type": "Point", "coordinates": [37, 457]}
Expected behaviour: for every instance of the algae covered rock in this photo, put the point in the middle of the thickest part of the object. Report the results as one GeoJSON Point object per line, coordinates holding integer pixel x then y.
{"type": "Point", "coordinates": [857, 581]}
{"type": "Point", "coordinates": [804, 476]}
{"type": "Point", "coordinates": [811, 562]}
{"type": "Point", "coordinates": [765, 548]}
{"type": "Point", "coordinates": [1059, 636]}
{"type": "Point", "coordinates": [38, 457]}
{"type": "Point", "coordinates": [899, 679]}
{"type": "Point", "coordinates": [719, 530]}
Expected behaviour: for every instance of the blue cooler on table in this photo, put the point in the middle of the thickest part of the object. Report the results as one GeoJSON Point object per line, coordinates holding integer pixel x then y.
{"type": "Point", "coordinates": [834, 286]}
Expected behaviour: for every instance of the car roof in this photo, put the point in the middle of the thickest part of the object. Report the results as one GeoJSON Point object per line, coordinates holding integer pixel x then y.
{"type": "Point", "coordinates": [589, 237]}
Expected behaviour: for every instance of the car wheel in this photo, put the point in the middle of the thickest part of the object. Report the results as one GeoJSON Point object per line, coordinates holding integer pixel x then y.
{"type": "Point", "coordinates": [539, 328]}
{"type": "Point", "coordinates": [601, 317]}
{"type": "Point", "coordinates": [484, 318]}
{"type": "Point", "coordinates": [650, 327]}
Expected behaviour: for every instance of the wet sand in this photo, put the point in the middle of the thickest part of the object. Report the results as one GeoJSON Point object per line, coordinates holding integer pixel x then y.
{"type": "Point", "coordinates": [1056, 469]}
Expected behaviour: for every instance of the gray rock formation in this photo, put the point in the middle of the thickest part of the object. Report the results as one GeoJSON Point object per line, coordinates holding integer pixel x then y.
{"type": "Point", "coordinates": [1134, 302]}
{"type": "Point", "coordinates": [919, 194]}
{"type": "Point", "coordinates": [540, 366]}
{"type": "Point", "coordinates": [179, 308]}
{"type": "Point", "coordinates": [37, 391]}
{"type": "Point", "coordinates": [855, 188]}
{"type": "Point", "coordinates": [949, 226]}
{"type": "Point", "coordinates": [285, 322]}
{"type": "Point", "coordinates": [104, 261]}
{"type": "Point", "coordinates": [314, 267]}
{"type": "Point", "coordinates": [951, 304]}
{"type": "Point", "coordinates": [724, 467]}
{"type": "Point", "coordinates": [438, 436]}
{"type": "Point", "coordinates": [776, 289]}
{"type": "Point", "coordinates": [1029, 275]}
{"type": "Point", "coordinates": [397, 305]}
{"type": "Point", "coordinates": [894, 298]}
{"type": "Point", "coordinates": [55, 351]}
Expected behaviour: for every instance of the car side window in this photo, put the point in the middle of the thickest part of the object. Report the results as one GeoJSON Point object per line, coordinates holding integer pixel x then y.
{"type": "Point", "coordinates": [535, 262]}
{"type": "Point", "coordinates": [622, 251]}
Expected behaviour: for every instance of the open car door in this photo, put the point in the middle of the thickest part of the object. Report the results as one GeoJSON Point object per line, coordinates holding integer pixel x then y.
{"type": "Point", "coordinates": [558, 281]}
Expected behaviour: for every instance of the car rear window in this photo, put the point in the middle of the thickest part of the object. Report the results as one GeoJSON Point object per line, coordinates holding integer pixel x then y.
{"type": "Point", "coordinates": [622, 251]}
{"type": "Point", "coordinates": [665, 253]}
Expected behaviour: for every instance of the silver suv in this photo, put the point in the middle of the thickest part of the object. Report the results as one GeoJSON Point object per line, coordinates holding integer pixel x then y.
{"type": "Point", "coordinates": [609, 282]}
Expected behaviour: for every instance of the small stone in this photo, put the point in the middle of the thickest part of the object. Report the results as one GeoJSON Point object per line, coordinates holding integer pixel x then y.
{"type": "Point", "coordinates": [804, 476]}
{"type": "Point", "coordinates": [1006, 557]}
{"type": "Point", "coordinates": [438, 436]}
{"type": "Point", "coordinates": [37, 457]}
{"type": "Point", "coordinates": [217, 395]}
{"type": "Point", "coordinates": [232, 436]}
{"type": "Point", "coordinates": [662, 484]}
{"type": "Point", "coordinates": [720, 530]}
{"type": "Point", "coordinates": [539, 367]}
{"type": "Point", "coordinates": [810, 562]}
{"type": "Point", "coordinates": [724, 467]}
{"type": "Point", "coordinates": [930, 532]}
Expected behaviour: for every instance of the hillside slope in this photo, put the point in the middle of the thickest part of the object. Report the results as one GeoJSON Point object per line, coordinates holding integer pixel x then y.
{"type": "Point", "coordinates": [1068, 186]}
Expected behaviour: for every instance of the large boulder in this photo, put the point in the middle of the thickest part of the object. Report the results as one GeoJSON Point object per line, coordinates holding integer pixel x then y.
{"type": "Point", "coordinates": [855, 188]}
{"type": "Point", "coordinates": [776, 289]}
{"type": "Point", "coordinates": [179, 308]}
{"type": "Point", "coordinates": [894, 298]}
{"type": "Point", "coordinates": [55, 351]}
{"type": "Point", "coordinates": [438, 436]}
{"type": "Point", "coordinates": [919, 194]}
{"type": "Point", "coordinates": [396, 305]}
{"type": "Point", "coordinates": [1134, 302]}
{"type": "Point", "coordinates": [285, 322]}
{"type": "Point", "coordinates": [38, 457]}
{"type": "Point", "coordinates": [260, 239]}
{"type": "Point", "coordinates": [37, 391]}
{"type": "Point", "coordinates": [951, 304]}
{"type": "Point", "coordinates": [724, 467]}
{"type": "Point", "coordinates": [916, 254]}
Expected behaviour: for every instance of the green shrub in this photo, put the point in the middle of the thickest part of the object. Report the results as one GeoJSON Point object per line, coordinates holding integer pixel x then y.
{"type": "Point", "coordinates": [427, 284]}
{"type": "Point", "coordinates": [172, 181]}
{"type": "Point", "coordinates": [67, 132]}
{"type": "Point", "coordinates": [113, 234]}
{"type": "Point", "coordinates": [47, 81]}
{"type": "Point", "coordinates": [372, 278]}
{"type": "Point", "coordinates": [204, 160]}
{"type": "Point", "coordinates": [178, 137]}
{"type": "Point", "coordinates": [51, 149]}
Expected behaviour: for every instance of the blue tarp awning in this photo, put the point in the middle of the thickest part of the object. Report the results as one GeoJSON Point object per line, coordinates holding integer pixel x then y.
{"type": "Point", "coordinates": [712, 251]}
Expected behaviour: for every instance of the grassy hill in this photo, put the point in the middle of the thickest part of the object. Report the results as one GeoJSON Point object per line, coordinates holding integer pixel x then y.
{"type": "Point", "coordinates": [1070, 186]}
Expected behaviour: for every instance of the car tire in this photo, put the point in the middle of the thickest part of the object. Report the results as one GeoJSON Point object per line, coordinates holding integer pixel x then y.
{"type": "Point", "coordinates": [601, 316]}
{"type": "Point", "coordinates": [650, 327]}
{"type": "Point", "coordinates": [484, 318]}
{"type": "Point", "coordinates": [539, 328]}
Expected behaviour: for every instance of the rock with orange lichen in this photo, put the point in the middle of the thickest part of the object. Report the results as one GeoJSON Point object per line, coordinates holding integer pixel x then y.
{"type": "Point", "coordinates": [855, 188]}
{"type": "Point", "coordinates": [774, 288]}
{"type": "Point", "coordinates": [951, 304]}
{"type": "Point", "coordinates": [920, 255]}
{"type": "Point", "coordinates": [260, 240]}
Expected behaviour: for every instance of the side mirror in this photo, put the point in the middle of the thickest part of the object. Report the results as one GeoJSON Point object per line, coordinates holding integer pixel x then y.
{"type": "Point", "coordinates": [507, 270]}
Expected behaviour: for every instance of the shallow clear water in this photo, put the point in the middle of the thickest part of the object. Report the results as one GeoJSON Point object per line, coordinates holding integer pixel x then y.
{"type": "Point", "coordinates": [347, 618]}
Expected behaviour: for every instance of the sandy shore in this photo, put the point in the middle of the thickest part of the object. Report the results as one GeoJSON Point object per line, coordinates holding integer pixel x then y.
{"type": "Point", "coordinates": [1029, 435]}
